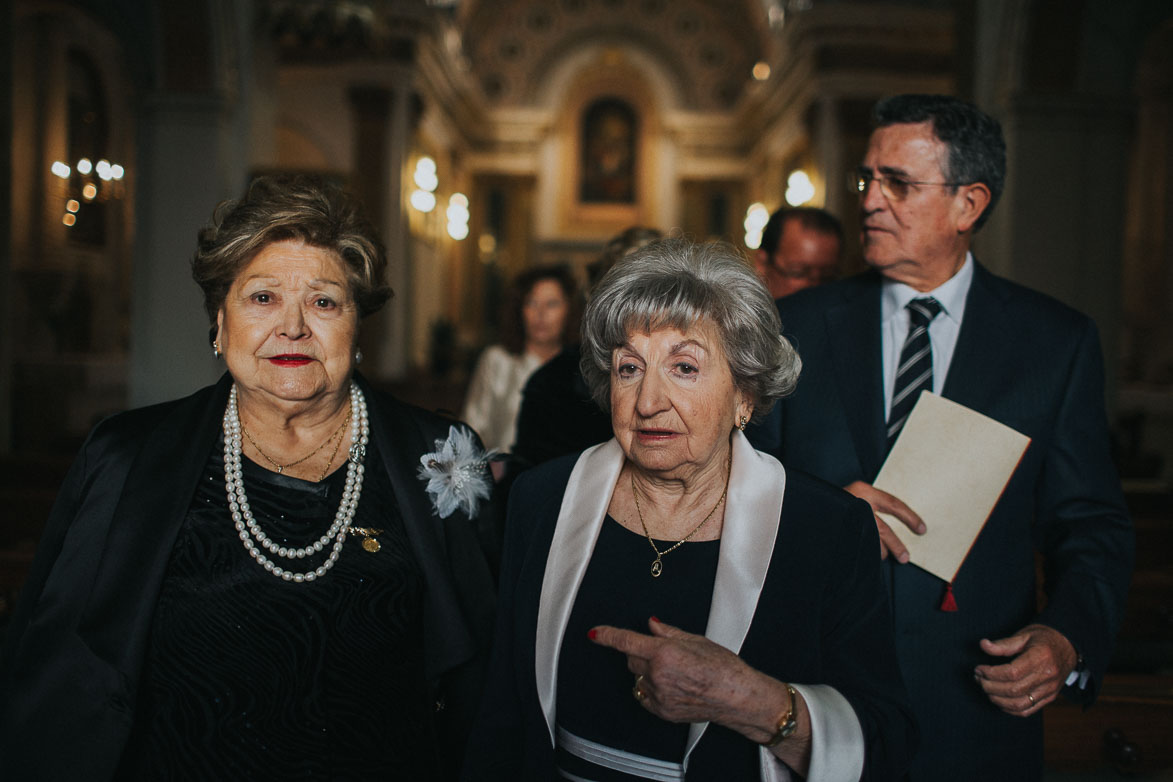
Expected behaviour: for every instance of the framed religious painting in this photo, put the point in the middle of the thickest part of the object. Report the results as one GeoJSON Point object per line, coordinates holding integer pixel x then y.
{"type": "Point", "coordinates": [608, 164]}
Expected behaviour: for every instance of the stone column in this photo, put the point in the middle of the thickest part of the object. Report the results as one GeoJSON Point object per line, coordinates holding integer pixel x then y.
{"type": "Point", "coordinates": [371, 110]}
{"type": "Point", "coordinates": [180, 179]}
{"type": "Point", "coordinates": [383, 124]}
{"type": "Point", "coordinates": [394, 351]}
{"type": "Point", "coordinates": [828, 143]}
{"type": "Point", "coordinates": [6, 89]}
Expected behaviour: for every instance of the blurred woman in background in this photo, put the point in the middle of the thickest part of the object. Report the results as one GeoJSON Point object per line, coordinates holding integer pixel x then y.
{"type": "Point", "coordinates": [557, 414]}
{"type": "Point", "coordinates": [538, 321]}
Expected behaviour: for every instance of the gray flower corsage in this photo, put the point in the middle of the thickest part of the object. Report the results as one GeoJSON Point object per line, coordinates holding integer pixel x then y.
{"type": "Point", "coordinates": [456, 473]}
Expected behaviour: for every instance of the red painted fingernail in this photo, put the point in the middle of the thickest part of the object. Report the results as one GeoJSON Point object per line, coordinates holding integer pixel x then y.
{"type": "Point", "coordinates": [657, 621]}
{"type": "Point", "coordinates": [592, 633]}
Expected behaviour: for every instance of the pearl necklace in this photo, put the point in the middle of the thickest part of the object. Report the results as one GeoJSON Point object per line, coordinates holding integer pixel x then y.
{"type": "Point", "coordinates": [250, 531]}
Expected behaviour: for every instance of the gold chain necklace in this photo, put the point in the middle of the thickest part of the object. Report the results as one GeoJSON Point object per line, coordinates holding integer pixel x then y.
{"type": "Point", "coordinates": [658, 563]}
{"type": "Point", "coordinates": [337, 445]}
{"type": "Point", "coordinates": [281, 468]}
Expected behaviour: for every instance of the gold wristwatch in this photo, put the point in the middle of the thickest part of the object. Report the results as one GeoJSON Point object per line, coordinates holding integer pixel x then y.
{"type": "Point", "coordinates": [786, 723]}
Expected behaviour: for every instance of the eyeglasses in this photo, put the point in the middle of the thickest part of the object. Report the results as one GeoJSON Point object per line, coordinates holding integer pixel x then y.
{"type": "Point", "coordinates": [815, 275]}
{"type": "Point", "coordinates": [894, 188]}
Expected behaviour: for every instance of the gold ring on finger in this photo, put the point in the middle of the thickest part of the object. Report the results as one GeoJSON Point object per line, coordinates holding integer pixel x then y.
{"type": "Point", "coordinates": [637, 691]}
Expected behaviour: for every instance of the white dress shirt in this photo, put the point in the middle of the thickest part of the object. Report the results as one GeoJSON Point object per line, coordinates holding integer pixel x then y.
{"type": "Point", "coordinates": [494, 395]}
{"type": "Point", "coordinates": [943, 330]}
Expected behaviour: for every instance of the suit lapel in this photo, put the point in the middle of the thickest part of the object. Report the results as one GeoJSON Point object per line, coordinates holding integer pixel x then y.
{"type": "Point", "coordinates": [401, 443]}
{"type": "Point", "coordinates": [853, 337]}
{"type": "Point", "coordinates": [584, 506]}
{"type": "Point", "coordinates": [979, 355]}
{"type": "Point", "coordinates": [757, 485]}
{"type": "Point", "coordinates": [853, 333]}
{"type": "Point", "coordinates": [158, 492]}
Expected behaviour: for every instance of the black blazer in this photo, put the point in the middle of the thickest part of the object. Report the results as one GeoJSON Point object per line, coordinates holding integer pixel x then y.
{"type": "Point", "coordinates": [1034, 364]}
{"type": "Point", "coordinates": [813, 591]}
{"type": "Point", "coordinates": [75, 646]}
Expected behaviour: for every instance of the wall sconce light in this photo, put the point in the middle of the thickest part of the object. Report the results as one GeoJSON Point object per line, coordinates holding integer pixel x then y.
{"type": "Point", "coordinates": [423, 197]}
{"type": "Point", "coordinates": [756, 218]}
{"type": "Point", "coordinates": [458, 216]}
{"type": "Point", "coordinates": [799, 188]}
{"type": "Point", "coordinates": [87, 182]}
{"type": "Point", "coordinates": [423, 201]}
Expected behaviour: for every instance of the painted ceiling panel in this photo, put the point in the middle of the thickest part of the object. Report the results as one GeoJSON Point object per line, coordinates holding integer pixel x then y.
{"type": "Point", "coordinates": [514, 44]}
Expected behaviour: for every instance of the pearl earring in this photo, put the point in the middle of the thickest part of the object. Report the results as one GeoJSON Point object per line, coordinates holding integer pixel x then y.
{"type": "Point", "coordinates": [358, 356]}
{"type": "Point", "coordinates": [216, 349]}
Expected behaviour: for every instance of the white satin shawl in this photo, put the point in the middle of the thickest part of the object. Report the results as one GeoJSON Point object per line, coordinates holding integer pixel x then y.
{"type": "Point", "coordinates": [757, 486]}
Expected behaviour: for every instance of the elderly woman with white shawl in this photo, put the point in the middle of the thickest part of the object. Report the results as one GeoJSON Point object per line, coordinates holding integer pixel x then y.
{"type": "Point", "coordinates": [674, 604]}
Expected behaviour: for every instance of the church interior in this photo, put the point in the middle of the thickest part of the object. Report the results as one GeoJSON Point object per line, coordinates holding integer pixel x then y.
{"type": "Point", "coordinates": [486, 137]}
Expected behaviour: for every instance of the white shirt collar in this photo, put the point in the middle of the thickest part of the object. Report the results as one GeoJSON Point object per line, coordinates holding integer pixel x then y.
{"type": "Point", "coordinates": [950, 295]}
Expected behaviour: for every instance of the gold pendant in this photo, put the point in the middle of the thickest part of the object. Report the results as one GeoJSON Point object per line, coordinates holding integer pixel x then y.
{"type": "Point", "coordinates": [368, 538]}
{"type": "Point", "coordinates": [657, 567]}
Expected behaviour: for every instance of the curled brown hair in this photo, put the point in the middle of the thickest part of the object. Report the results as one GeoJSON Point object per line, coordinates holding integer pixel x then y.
{"type": "Point", "coordinates": [283, 207]}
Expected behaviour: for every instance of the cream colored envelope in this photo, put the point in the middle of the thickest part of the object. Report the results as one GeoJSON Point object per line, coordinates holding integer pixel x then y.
{"type": "Point", "coordinates": [950, 465]}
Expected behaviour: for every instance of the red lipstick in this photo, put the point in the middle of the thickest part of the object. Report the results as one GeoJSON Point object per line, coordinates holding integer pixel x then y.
{"type": "Point", "coordinates": [290, 360]}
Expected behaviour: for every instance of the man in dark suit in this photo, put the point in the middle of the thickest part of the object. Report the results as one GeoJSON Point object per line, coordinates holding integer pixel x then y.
{"type": "Point", "coordinates": [980, 657]}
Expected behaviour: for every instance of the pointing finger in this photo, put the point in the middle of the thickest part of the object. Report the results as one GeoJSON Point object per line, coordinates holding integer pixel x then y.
{"type": "Point", "coordinates": [628, 642]}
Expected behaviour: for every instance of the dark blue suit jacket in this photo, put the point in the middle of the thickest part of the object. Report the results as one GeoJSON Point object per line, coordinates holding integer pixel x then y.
{"type": "Point", "coordinates": [1034, 364]}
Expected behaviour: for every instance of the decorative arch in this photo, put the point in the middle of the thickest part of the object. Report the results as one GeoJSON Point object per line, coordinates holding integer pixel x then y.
{"type": "Point", "coordinates": [608, 90]}
{"type": "Point", "coordinates": [72, 219]}
{"type": "Point", "coordinates": [656, 61]}
{"type": "Point", "coordinates": [73, 100]}
{"type": "Point", "coordinates": [710, 47]}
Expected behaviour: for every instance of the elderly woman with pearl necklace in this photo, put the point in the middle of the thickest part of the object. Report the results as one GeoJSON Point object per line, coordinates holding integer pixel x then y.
{"type": "Point", "coordinates": [282, 575]}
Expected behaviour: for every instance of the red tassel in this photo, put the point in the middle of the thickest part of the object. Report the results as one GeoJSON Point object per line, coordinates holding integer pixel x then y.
{"type": "Point", "coordinates": [949, 603]}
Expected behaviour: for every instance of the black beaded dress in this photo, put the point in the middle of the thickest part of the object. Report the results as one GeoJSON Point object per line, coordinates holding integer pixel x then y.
{"type": "Point", "coordinates": [249, 677]}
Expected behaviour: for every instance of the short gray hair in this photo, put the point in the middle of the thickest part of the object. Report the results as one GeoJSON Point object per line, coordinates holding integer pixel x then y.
{"type": "Point", "coordinates": [676, 283]}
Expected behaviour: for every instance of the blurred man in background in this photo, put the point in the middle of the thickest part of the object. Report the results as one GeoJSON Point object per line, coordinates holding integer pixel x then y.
{"type": "Point", "coordinates": [801, 247]}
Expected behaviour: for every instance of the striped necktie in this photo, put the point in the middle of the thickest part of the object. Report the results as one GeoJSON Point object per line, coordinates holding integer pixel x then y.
{"type": "Point", "coordinates": [916, 364]}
